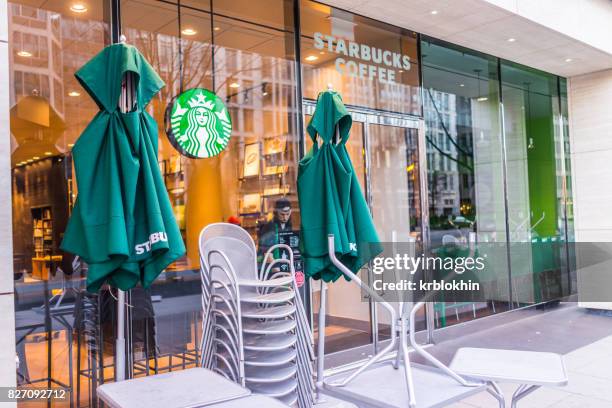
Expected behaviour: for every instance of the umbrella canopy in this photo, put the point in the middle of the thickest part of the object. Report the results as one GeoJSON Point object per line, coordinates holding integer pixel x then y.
{"type": "Point", "coordinates": [122, 224]}
{"type": "Point", "coordinates": [331, 201]}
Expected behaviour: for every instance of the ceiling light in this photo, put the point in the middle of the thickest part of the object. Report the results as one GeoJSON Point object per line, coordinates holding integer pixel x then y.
{"type": "Point", "coordinates": [217, 28]}
{"type": "Point", "coordinates": [189, 31]}
{"type": "Point", "coordinates": [482, 99]}
{"type": "Point", "coordinates": [29, 161]}
{"type": "Point", "coordinates": [462, 85]}
{"type": "Point", "coordinates": [434, 12]}
{"type": "Point", "coordinates": [234, 85]}
{"type": "Point", "coordinates": [25, 54]}
{"type": "Point", "coordinates": [78, 8]}
{"type": "Point", "coordinates": [48, 153]}
{"type": "Point", "coordinates": [568, 60]}
{"type": "Point", "coordinates": [74, 93]}
{"type": "Point", "coordinates": [311, 58]}
{"type": "Point", "coordinates": [511, 39]}
{"type": "Point", "coordinates": [35, 157]}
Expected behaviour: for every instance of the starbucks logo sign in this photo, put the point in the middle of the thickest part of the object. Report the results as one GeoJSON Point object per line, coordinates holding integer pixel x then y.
{"type": "Point", "coordinates": [198, 123]}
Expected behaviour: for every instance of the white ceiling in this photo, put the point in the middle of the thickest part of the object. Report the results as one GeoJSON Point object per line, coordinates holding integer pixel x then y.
{"type": "Point", "coordinates": [480, 25]}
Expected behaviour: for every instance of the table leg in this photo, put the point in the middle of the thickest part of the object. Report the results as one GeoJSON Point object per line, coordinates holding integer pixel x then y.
{"type": "Point", "coordinates": [496, 392]}
{"type": "Point", "coordinates": [521, 392]}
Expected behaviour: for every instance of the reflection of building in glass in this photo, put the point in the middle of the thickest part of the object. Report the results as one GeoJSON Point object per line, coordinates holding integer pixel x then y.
{"type": "Point", "coordinates": [48, 112]}
{"type": "Point", "coordinates": [442, 122]}
{"type": "Point", "coordinates": [36, 64]}
{"type": "Point", "coordinates": [47, 48]}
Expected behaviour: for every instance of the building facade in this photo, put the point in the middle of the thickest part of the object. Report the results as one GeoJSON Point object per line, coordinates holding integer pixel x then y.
{"type": "Point", "coordinates": [475, 122]}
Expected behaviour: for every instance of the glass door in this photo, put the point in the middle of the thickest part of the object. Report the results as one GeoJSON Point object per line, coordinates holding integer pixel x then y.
{"type": "Point", "coordinates": [384, 151]}
{"type": "Point", "coordinates": [349, 323]}
{"type": "Point", "coordinates": [393, 195]}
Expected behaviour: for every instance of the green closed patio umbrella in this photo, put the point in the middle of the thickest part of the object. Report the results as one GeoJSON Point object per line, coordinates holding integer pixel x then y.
{"type": "Point", "coordinates": [331, 201]}
{"type": "Point", "coordinates": [122, 223]}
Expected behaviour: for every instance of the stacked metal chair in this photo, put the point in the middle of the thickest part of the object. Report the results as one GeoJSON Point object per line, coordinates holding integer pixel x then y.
{"type": "Point", "coordinates": [254, 329]}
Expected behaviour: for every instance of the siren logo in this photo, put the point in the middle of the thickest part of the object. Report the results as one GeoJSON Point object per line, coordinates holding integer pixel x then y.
{"type": "Point", "coordinates": [198, 124]}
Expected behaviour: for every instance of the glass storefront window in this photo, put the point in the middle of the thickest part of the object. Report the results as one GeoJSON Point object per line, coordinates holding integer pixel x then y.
{"type": "Point", "coordinates": [371, 64]}
{"type": "Point", "coordinates": [465, 170]}
{"type": "Point", "coordinates": [245, 56]}
{"type": "Point", "coordinates": [49, 110]}
{"type": "Point", "coordinates": [535, 148]}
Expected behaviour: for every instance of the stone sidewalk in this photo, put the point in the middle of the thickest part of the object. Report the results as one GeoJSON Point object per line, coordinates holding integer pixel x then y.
{"type": "Point", "coordinates": [589, 370]}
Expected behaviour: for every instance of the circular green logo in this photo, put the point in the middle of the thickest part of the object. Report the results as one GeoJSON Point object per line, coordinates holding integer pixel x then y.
{"type": "Point", "coordinates": [198, 123]}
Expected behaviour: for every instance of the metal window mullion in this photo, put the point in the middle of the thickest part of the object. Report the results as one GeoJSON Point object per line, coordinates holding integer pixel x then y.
{"type": "Point", "coordinates": [564, 192]}
{"type": "Point", "coordinates": [368, 195]}
{"type": "Point", "coordinates": [113, 19]}
{"type": "Point", "coordinates": [424, 204]}
{"type": "Point", "coordinates": [502, 125]}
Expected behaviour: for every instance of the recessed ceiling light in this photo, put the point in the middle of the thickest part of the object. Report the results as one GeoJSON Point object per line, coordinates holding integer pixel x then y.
{"type": "Point", "coordinates": [78, 8]}
{"type": "Point", "coordinates": [29, 161]}
{"type": "Point", "coordinates": [434, 12]}
{"type": "Point", "coordinates": [25, 54]}
{"type": "Point", "coordinates": [217, 28]}
{"type": "Point", "coordinates": [48, 153]}
{"type": "Point", "coordinates": [74, 93]}
{"type": "Point", "coordinates": [482, 99]}
{"type": "Point", "coordinates": [311, 58]}
{"type": "Point", "coordinates": [568, 60]}
{"type": "Point", "coordinates": [234, 85]}
{"type": "Point", "coordinates": [462, 85]}
{"type": "Point", "coordinates": [189, 31]}
{"type": "Point", "coordinates": [511, 39]}
{"type": "Point", "coordinates": [35, 157]}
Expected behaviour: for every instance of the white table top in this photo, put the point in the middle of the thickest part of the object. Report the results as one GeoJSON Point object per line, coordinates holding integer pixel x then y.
{"type": "Point", "coordinates": [523, 367]}
{"type": "Point", "coordinates": [195, 387]}
{"type": "Point", "coordinates": [252, 401]}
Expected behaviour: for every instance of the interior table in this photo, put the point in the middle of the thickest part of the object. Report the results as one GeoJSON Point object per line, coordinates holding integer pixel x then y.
{"type": "Point", "coordinates": [530, 369]}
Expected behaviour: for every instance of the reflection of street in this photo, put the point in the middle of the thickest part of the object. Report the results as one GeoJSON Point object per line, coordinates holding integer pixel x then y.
{"type": "Point", "coordinates": [459, 234]}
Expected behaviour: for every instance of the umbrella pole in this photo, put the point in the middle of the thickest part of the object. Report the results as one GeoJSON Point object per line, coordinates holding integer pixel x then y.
{"type": "Point", "coordinates": [120, 341]}
{"type": "Point", "coordinates": [321, 342]}
{"type": "Point", "coordinates": [125, 104]}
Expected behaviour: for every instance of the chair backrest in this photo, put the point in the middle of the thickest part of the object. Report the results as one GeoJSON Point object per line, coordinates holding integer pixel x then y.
{"type": "Point", "coordinates": [233, 241]}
